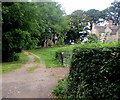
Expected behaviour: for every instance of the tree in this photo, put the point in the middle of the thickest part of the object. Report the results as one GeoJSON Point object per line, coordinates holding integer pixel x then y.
{"type": "Point", "coordinates": [18, 15]}
{"type": "Point", "coordinates": [19, 20]}
{"type": "Point", "coordinates": [78, 22]}
{"type": "Point", "coordinates": [92, 38]}
{"type": "Point", "coordinates": [113, 13]}
{"type": "Point", "coordinates": [94, 16]}
{"type": "Point", "coordinates": [25, 24]}
{"type": "Point", "coordinates": [13, 42]}
{"type": "Point", "coordinates": [55, 23]}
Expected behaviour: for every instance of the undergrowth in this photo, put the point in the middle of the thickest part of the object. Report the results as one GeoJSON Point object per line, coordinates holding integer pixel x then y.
{"type": "Point", "coordinates": [10, 66]}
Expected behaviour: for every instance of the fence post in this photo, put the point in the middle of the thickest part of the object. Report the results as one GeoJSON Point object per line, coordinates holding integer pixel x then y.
{"type": "Point", "coordinates": [62, 56]}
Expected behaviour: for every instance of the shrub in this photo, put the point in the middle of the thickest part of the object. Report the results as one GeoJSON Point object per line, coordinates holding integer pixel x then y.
{"type": "Point", "coordinates": [50, 44]}
{"type": "Point", "coordinates": [14, 41]}
{"type": "Point", "coordinates": [10, 56]}
{"type": "Point", "coordinates": [94, 72]}
{"type": "Point", "coordinates": [92, 38]}
{"type": "Point", "coordinates": [60, 90]}
{"type": "Point", "coordinates": [16, 57]}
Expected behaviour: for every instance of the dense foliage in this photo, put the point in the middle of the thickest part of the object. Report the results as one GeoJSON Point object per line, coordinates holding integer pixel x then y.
{"type": "Point", "coordinates": [112, 12]}
{"type": "Point", "coordinates": [78, 22]}
{"type": "Point", "coordinates": [94, 16]}
{"type": "Point", "coordinates": [27, 25]}
{"type": "Point", "coordinates": [94, 73]}
{"type": "Point", "coordinates": [92, 38]}
{"type": "Point", "coordinates": [60, 90]}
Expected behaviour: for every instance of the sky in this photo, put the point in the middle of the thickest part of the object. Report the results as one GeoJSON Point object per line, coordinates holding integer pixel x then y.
{"type": "Point", "coordinates": [71, 5]}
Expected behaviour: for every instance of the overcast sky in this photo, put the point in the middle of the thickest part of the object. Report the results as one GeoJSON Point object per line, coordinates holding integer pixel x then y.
{"type": "Point", "coordinates": [72, 5]}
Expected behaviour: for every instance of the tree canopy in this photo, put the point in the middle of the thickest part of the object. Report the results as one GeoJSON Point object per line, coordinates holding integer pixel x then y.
{"type": "Point", "coordinates": [113, 13]}
{"type": "Point", "coordinates": [25, 24]}
{"type": "Point", "coordinates": [78, 22]}
{"type": "Point", "coordinates": [94, 16]}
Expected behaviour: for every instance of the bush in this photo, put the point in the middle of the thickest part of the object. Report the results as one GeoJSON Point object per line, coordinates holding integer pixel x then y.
{"type": "Point", "coordinates": [16, 57]}
{"type": "Point", "coordinates": [94, 72]}
{"type": "Point", "coordinates": [92, 38]}
{"type": "Point", "coordinates": [10, 56]}
{"type": "Point", "coordinates": [50, 44]}
{"type": "Point", "coordinates": [60, 90]}
{"type": "Point", "coordinates": [14, 41]}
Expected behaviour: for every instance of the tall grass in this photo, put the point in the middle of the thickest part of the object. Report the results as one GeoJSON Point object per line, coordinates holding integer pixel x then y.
{"type": "Point", "coordinates": [48, 55]}
{"type": "Point", "coordinates": [10, 66]}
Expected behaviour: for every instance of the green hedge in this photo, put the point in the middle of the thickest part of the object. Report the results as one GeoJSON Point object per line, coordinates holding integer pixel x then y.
{"type": "Point", "coordinates": [94, 72]}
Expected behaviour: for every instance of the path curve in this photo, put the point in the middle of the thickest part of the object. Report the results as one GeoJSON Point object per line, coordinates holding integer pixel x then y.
{"type": "Point", "coordinates": [36, 84]}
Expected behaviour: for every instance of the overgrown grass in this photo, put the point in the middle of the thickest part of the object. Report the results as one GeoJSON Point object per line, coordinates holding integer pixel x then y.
{"type": "Point", "coordinates": [37, 60]}
{"type": "Point", "coordinates": [0, 68]}
{"type": "Point", "coordinates": [10, 66]}
{"type": "Point", "coordinates": [48, 55]}
{"type": "Point", "coordinates": [32, 68]}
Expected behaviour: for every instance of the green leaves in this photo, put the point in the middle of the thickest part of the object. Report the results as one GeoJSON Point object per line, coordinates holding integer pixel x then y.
{"type": "Point", "coordinates": [60, 90]}
{"type": "Point", "coordinates": [94, 72]}
{"type": "Point", "coordinates": [113, 12]}
{"type": "Point", "coordinates": [92, 38]}
{"type": "Point", "coordinates": [78, 22]}
{"type": "Point", "coordinates": [15, 39]}
{"type": "Point", "coordinates": [27, 23]}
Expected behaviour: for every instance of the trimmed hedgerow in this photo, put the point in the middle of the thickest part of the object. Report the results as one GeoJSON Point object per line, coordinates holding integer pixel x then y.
{"type": "Point", "coordinates": [94, 73]}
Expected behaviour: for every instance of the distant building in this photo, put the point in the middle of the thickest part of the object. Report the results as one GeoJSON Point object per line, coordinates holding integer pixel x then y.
{"type": "Point", "coordinates": [107, 33]}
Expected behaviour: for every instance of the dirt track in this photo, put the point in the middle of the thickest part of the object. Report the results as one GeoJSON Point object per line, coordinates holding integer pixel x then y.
{"type": "Point", "coordinates": [36, 84]}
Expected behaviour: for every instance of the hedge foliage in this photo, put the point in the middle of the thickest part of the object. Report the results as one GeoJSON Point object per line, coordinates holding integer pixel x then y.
{"type": "Point", "coordinates": [94, 72]}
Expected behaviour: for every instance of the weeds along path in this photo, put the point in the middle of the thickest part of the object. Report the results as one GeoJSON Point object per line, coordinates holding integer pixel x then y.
{"type": "Point", "coordinates": [22, 83]}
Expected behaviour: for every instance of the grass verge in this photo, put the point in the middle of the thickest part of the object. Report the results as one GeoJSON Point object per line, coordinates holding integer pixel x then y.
{"type": "Point", "coordinates": [37, 60]}
{"type": "Point", "coordinates": [48, 55]}
{"type": "Point", "coordinates": [10, 66]}
{"type": "Point", "coordinates": [32, 68]}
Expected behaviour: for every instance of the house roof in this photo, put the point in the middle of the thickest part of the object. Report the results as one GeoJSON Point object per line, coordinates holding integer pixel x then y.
{"type": "Point", "coordinates": [114, 29]}
{"type": "Point", "coordinates": [101, 29]}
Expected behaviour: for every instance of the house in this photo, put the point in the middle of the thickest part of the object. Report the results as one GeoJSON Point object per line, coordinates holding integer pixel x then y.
{"type": "Point", "coordinates": [107, 33]}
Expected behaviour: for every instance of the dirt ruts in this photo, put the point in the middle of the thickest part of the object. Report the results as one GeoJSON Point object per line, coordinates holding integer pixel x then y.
{"type": "Point", "coordinates": [36, 84]}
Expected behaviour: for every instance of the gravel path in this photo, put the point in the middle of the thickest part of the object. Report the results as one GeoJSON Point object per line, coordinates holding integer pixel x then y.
{"type": "Point", "coordinates": [36, 84]}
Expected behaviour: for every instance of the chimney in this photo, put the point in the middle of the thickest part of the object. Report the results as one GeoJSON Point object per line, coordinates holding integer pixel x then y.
{"type": "Point", "coordinates": [93, 25]}
{"type": "Point", "coordinates": [110, 22]}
